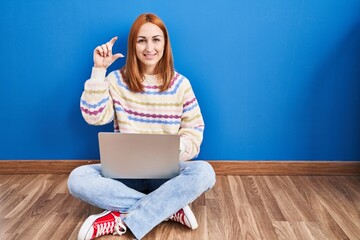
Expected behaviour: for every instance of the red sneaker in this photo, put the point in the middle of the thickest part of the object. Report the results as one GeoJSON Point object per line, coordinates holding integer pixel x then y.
{"type": "Point", "coordinates": [186, 217]}
{"type": "Point", "coordinates": [97, 225]}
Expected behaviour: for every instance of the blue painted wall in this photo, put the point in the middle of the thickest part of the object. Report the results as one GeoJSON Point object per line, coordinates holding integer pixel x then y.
{"type": "Point", "coordinates": [275, 79]}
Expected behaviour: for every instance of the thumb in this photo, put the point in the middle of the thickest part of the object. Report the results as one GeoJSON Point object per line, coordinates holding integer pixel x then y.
{"type": "Point", "coordinates": [117, 55]}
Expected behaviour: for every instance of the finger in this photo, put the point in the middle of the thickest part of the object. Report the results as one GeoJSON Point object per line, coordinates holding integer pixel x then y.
{"type": "Point", "coordinates": [105, 50]}
{"type": "Point", "coordinates": [117, 55]}
{"type": "Point", "coordinates": [109, 48]}
{"type": "Point", "coordinates": [99, 50]}
{"type": "Point", "coordinates": [110, 45]}
{"type": "Point", "coordinates": [113, 40]}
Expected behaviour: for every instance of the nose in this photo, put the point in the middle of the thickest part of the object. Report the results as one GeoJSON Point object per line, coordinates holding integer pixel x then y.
{"type": "Point", "coordinates": [149, 46]}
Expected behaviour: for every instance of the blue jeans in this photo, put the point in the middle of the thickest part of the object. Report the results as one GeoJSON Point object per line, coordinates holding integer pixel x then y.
{"type": "Point", "coordinates": [148, 202]}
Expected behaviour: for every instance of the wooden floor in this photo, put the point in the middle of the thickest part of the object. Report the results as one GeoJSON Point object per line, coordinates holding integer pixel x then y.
{"type": "Point", "coordinates": [238, 207]}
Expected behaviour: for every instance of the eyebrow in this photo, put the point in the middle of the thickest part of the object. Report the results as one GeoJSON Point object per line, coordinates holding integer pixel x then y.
{"type": "Point", "coordinates": [152, 36]}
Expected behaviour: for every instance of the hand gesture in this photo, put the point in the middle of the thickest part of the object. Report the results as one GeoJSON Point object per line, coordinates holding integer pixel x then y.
{"type": "Point", "coordinates": [103, 56]}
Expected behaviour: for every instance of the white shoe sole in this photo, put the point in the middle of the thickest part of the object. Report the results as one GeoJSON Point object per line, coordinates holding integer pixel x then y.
{"type": "Point", "coordinates": [191, 217]}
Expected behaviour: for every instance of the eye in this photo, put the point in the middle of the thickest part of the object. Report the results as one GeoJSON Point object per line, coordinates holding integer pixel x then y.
{"type": "Point", "coordinates": [156, 40]}
{"type": "Point", "coordinates": [141, 41]}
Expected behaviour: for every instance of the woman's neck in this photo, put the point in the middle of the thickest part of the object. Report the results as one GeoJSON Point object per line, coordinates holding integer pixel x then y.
{"type": "Point", "coordinates": [148, 70]}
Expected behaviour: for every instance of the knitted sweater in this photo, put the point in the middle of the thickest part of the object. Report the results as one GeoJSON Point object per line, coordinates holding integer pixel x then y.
{"type": "Point", "coordinates": [174, 111]}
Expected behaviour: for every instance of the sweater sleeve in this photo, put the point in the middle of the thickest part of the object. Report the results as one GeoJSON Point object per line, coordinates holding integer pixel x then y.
{"type": "Point", "coordinates": [192, 126]}
{"type": "Point", "coordinates": [96, 103]}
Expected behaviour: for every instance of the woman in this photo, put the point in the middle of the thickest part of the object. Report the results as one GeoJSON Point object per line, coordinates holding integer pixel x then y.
{"type": "Point", "coordinates": [145, 96]}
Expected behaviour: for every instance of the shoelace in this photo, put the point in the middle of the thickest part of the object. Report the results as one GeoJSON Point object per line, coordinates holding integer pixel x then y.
{"type": "Point", "coordinates": [120, 228]}
{"type": "Point", "coordinates": [178, 217]}
{"type": "Point", "coordinates": [109, 227]}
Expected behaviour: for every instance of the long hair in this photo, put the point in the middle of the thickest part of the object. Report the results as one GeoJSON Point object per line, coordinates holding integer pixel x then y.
{"type": "Point", "coordinates": [164, 69]}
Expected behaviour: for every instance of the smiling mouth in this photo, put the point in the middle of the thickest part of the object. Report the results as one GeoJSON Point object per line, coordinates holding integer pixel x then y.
{"type": "Point", "coordinates": [149, 56]}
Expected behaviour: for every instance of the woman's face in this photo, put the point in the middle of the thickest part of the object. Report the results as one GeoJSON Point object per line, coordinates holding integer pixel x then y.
{"type": "Point", "coordinates": [150, 44]}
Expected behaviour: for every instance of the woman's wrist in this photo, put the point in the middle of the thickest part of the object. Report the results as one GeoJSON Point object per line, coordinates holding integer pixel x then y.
{"type": "Point", "coordinates": [99, 67]}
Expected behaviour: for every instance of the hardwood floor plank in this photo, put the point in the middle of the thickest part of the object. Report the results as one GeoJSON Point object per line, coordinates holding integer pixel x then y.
{"type": "Point", "coordinates": [350, 192]}
{"type": "Point", "coordinates": [301, 230]}
{"type": "Point", "coordinates": [335, 203]}
{"type": "Point", "coordinates": [317, 231]}
{"type": "Point", "coordinates": [248, 226]}
{"type": "Point", "coordinates": [223, 222]}
{"type": "Point", "coordinates": [285, 202]}
{"type": "Point", "coordinates": [284, 230]}
{"type": "Point", "coordinates": [238, 191]}
{"type": "Point", "coordinates": [31, 195]}
{"type": "Point", "coordinates": [38, 228]}
{"type": "Point", "coordinates": [297, 201]}
{"type": "Point", "coordinates": [269, 200]}
{"type": "Point", "coordinates": [328, 224]}
{"type": "Point", "coordinates": [354, 195]}
{"type": "Point", "coordinates": [263, 221]}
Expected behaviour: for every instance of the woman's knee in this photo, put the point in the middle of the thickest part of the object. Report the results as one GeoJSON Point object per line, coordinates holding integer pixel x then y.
{"type": "Point", "coordinates": [209, 173]}
{"type": "Point", "coordinates": [72, 181]}
{"type": "Point", "coordinates": [79, 176]}
{"type": "Point", "coordinates": [205, 173]}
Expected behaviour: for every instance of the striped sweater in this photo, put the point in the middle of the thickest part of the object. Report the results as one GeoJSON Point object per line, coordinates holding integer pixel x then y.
{"type": "Point", "coordinates": [174, 111]}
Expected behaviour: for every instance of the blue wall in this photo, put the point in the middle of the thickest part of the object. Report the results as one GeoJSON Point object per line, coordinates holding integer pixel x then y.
{"type": "Point", "coordinates": [275, 79]}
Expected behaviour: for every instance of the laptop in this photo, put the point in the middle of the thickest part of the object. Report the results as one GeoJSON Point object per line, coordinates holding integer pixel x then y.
{"type": "Point", "coordinates": [139, 156]}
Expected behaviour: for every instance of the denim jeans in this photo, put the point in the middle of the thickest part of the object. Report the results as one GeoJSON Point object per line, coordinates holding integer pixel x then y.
{"type": "Point", "coordinates": [148, 202]}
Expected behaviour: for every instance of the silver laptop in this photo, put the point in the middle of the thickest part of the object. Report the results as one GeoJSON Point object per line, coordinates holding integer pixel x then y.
{"type": "Point", "coordinates": [141, 156]}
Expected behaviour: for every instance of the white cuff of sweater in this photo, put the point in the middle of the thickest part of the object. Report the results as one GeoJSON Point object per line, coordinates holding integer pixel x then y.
{"type": "Point", "coordinates": [98, 74]}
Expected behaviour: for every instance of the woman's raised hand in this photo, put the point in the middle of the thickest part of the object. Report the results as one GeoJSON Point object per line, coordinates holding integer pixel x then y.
{"type": "Point", "coordinates": [103, 56]}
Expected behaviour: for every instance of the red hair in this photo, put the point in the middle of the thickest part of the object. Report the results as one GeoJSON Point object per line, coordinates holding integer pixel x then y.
{"type": "Point", "coordinates": [164, 69]}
